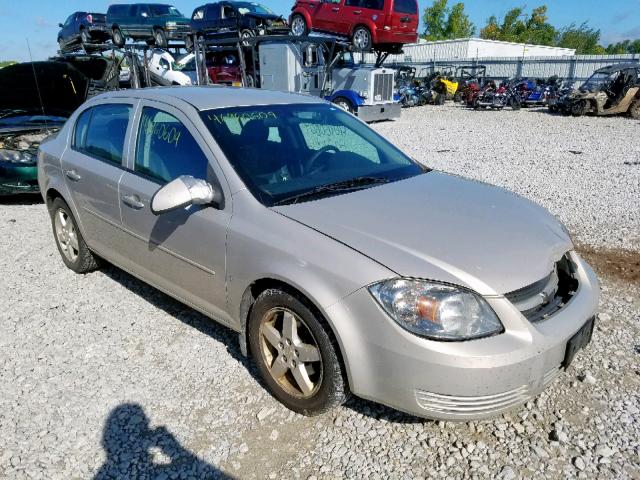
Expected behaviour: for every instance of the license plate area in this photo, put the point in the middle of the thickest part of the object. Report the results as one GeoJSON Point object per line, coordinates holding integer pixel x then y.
{"type": "Point", "coordinates": [580, 340]}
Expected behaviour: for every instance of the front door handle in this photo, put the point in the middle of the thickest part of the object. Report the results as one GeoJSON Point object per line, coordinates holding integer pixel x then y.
{"type": "Point", "coordinates": [357, 12]}
{"type": "Point", "coordinates": [335, 9]}
{"type": "Point", "coordinates": [132, 201]}
{"type": "Point", "coordinates": [73, 175]}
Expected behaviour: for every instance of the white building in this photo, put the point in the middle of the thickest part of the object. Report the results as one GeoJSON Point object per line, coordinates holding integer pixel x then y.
{"type": "Point", "coordinates": [465, 48]}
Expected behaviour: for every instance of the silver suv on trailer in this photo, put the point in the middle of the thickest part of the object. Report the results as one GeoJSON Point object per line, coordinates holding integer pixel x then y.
{"type": "Point", "coordinates": [344, 265]}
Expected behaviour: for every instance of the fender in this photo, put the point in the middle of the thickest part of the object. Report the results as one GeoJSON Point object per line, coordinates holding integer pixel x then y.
{"type": "Point", "coordinates": [371, 26]}
{"type": "Point", "coordinates": [355, 99]}
{"type": "Point", "coordinates": [306, 15]}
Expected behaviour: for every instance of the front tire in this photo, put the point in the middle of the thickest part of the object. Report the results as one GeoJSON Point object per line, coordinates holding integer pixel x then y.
{"type": "Point", "coordinates": [73, 249]}
{"type": "Point", "coordinates": [344, 104]}
{"type": "Point", "coordinates": [299, 26]}
{"type": "Point", "coordinates": [361, 39]}
{"type": "Point", "coordinates": [295, 354]}
{"type": "Point", "coordinates": [634, 109]}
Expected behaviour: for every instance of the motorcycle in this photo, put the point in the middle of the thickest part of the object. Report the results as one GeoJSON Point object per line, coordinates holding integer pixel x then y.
{"type": "Point", "coordinates": [494, 96]}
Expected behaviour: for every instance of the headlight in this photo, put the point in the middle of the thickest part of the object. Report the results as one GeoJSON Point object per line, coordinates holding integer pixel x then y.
{"type": "Point", "coordinates": [363, 93]}
{"type": "Point", "coordinates": [436, 311]}
{"type": "Point", "coordinates": [15, 156]}
{"type": "Point", "coordinates": [171, 25]}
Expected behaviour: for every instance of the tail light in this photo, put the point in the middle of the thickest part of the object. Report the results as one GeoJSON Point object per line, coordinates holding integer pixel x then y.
{"type": "Point", "coordinates": [90, 18]}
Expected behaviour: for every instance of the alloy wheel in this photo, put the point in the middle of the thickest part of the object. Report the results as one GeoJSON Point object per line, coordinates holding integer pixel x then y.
{"type": "Point", "coordinates": [298, 26]}
{"type": "Point", "coordinates": [66, 235]}
{"type": "Point", "coordinates": [290, 352]}
{"type": "Point", "coordinates": [361, 39]}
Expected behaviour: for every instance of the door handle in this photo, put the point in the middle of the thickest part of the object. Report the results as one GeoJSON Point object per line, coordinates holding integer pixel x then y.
{"type": "Point", "coordinates": [73, 175]}
{"type": "Point", "coordinates": [357, 12]}
{"type": "Point", "coordinates": [335, 9]}
{"type": "Point", "coordinates": [132, 201]}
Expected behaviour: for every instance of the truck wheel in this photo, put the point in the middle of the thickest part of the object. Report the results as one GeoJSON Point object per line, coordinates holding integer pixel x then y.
{"type": "Point", "coordinates": [160, 38]}
{"type": "Point", "coordinates": [634, 109]}
{"type": "Point", "coordinates": [117, 37]}
{"type": "Point", "coordinates": [245, 35]}
{"type": "Point", "coordinates": [299, 26]}
{"type": "Point", "coordinates": [188, 43]}
{"type": "Point", "coordinates": [344, 104]}
{"type": "Point", "coordinates": [362, 38]}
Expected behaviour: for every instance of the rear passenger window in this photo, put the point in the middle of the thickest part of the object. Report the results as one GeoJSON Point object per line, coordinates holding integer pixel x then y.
{"type": "Point", "coordinates": [198, 14]}
{"type": "Point", "coordinates": [165, 148]}
{"type": "Point", "coordinates": [100, 132]}
{"type": "Point", "coordinates": [405, 6]}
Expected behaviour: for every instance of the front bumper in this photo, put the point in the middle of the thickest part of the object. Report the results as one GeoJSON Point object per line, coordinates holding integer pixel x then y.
{"type": "Point", "coordinates": [177, 33]}
{"type": "Point", "coordinates": [377, 112]}
{"type": "Point", "coordinates": [457, 380]}
{"type": "Point", "coordinates": [15, 178]}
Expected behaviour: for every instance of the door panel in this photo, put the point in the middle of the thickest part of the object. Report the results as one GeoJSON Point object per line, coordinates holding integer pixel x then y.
{"type": "Point", "coordinates": [92, 168]}
{"type": "Point", "coordinates": [182, 252]}
{"type": "Point", "coordinates": [328, 17]}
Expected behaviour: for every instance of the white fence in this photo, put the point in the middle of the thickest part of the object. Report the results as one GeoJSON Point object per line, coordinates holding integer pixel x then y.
{"type": "Point", "coordinates": [577, 68]}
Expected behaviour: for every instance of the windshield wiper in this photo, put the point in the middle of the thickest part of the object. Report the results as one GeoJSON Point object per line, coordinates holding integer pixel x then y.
{"type": "Point", "coordinates": [356, 183]}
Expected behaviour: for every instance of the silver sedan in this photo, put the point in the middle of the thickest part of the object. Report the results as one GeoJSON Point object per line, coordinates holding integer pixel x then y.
{"type": "Point", "coordinates": [344, 265]}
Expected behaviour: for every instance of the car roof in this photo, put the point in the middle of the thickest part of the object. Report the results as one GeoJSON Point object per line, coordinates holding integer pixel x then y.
{"type": "Point", "coordinates": [212, 96]}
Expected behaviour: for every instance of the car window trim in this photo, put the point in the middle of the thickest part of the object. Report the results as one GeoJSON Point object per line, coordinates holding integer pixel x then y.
{"type": "Point", "coordinates": [128, 102]}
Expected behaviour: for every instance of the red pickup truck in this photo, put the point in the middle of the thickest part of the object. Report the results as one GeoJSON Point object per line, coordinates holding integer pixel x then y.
{"type": "Point", "coordinates": [385, 24]}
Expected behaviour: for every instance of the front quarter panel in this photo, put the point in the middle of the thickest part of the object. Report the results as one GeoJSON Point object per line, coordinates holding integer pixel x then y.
{"type": "Point", "coordinates": [263, 244]}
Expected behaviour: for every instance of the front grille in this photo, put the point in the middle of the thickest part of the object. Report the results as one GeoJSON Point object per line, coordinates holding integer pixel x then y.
{"type": "Point", "coordinates": [547, 296]}
{"type": "Point", "coordinates": [382, 87]}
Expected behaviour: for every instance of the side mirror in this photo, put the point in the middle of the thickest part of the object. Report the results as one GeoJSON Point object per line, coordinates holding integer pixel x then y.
{"type": "Point", "coordinates": [181, 192]}
{"type": "Point", "coordinates": [60, 25]}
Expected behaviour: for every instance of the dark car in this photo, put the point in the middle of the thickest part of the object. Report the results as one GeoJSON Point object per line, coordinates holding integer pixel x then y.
{"type": "Point", "coordinates": [246, 19]}
{"type": "Point", "coordinates": [83, 29]}
{"type": "Point", "coordinates": [155, 23]}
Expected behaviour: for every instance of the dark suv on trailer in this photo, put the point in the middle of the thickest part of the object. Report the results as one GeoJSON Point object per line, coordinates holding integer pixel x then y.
{"type": "Point", "coordinates": [83, 28]}
{"type": "Point", "coordinates": [246, 19]}
{"type": "Point", "coordinates": [155, 23]}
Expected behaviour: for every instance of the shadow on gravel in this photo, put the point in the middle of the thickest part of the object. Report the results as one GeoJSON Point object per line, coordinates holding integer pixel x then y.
{"type": "Point", "coordinates": [382, 412]}
{"type": "Point", "coordinates": [136, 451]}
{"type": "Point", "coordinates": [21, 199]}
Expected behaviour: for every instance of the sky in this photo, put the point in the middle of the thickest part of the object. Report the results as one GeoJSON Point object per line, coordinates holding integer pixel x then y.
{"type": "Point", "coordinates": [37, 20]}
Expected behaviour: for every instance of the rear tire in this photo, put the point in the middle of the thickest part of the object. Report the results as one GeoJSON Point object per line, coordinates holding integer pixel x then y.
{"type": "Point", "coordinates": [73, 249]}
{"type": "Point", "coordinates": [300, 365]}
{"type": "Point", "coordinates": [188, 43]}
{"type": "Point", "coordinates": [117, 37]}
{"type": "Point", "coordinates": [160, 38]}
{"type": "Point", "coordinates": [579, 108]}
{"type": "Point", "coordinates": [245, 35]}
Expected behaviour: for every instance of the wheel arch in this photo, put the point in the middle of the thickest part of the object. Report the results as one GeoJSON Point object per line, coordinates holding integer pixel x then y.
{"type": "Point", "coordinates": [350, 95]}
{"type": "Point", "coordinates": [304, 14]}
{"type": "Point", "coordinates": [258, 286]}
{"type": "Point", "coordinates": [369, 25]}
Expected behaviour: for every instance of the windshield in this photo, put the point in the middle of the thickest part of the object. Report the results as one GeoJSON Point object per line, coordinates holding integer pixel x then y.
{"type": "Point", "coordinates": [283, 151]}
{"type": "Point", "coordinates": [164, 11]}
{"type": "Point", "coordinates": [186, 64]}
{"type": "Point", "coordinates": [250, 7]}
{"type": "Point", "coordinates": [597, 80]}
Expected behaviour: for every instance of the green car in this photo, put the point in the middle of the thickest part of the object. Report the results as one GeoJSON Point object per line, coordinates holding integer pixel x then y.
{"type": "Point", "coordinates": [21, 133]}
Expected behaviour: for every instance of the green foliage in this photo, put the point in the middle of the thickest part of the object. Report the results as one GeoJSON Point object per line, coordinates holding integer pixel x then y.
{"type": "Point", "coordinates": [6, 63]}
{"type": "Point", "coordinates": [584, 39]}
{"type": "Point", "coordinates": [626, 46]}
{"type": "Point", "coordinates": [444, 23]}
{"type": "Point", "coordinates": [520, 27]}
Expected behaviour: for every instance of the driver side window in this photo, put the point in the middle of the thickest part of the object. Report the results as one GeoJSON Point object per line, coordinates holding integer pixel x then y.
{"type": "Point", "coordinates": [165, 149]}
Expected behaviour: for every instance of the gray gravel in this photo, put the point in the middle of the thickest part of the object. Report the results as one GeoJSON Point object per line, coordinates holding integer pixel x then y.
{"type": "Point", "coordinates": [104, 376]}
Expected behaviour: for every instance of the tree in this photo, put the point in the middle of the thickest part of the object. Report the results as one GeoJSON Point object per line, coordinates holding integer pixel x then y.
{"type": "Point", "coordinates": [625, 46]}
{"type": "Point", "coordinates": [518, 26]}
{"type": "Point", "coordinates": [584, 39]}
{"type": "Point", "coordinates": [444, 23]}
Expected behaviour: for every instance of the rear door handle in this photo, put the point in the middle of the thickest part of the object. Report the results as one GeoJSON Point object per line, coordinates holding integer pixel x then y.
{"type": "Point", "coordinates": [132, 201]}
{"type": "Point", "coordinates": [73, 175]}
{"type": "Point", "coordinates": [335, 9]}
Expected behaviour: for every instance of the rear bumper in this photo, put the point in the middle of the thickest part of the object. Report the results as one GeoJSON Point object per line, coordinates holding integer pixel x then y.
{"type": "Point", "coordinates": [457, 380]}
{"type": "Point", "coordinates": [377, 112]}
{"type": "Point", "coordinates": [390, 36]}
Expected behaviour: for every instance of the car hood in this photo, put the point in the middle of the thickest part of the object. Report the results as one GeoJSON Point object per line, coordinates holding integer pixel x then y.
{"type": "Point", "coordinates": [445, 228]}
{"type": "Point", "coordinates": [263, 16]}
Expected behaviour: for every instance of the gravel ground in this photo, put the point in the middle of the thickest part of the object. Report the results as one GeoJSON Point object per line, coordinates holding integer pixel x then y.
{"type": "Point", "coordinates": [102, 376]}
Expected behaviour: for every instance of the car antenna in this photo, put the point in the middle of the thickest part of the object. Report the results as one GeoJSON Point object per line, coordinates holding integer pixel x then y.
{"type": "Point", "coordinates": [35, 77]}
